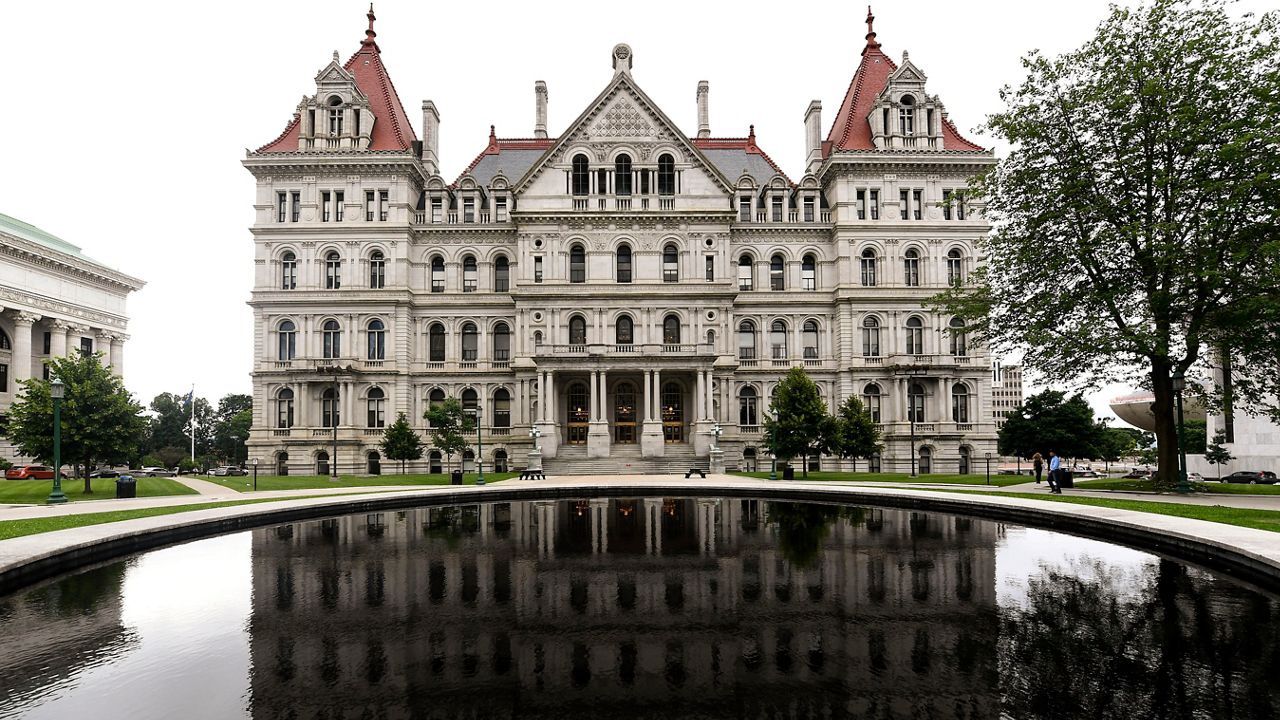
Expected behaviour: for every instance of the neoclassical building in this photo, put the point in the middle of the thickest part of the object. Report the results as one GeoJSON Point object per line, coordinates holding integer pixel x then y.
{"type": "Point", "coordinates": [54, 300]}
{"type": "Point", "coordinates": [623, 287]}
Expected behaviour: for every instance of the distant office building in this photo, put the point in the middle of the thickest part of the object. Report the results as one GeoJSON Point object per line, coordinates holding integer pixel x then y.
{"type": "Point", "coordinates": [1006, 391]}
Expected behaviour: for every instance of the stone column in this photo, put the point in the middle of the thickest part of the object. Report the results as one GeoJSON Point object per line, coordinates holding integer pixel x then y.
{"type": "Point", "coordinates": [117, 355]}
{"type": "Point", "coordinates": [102, 344]}
{"type": "Point", "coordinates": [651, 442]}
{"type": "Point", "coordinates": [22, 323]}
{"type": "Point", "coordinates": [58, 338]}
{"type": "Point", "coordinates": [598, 431]}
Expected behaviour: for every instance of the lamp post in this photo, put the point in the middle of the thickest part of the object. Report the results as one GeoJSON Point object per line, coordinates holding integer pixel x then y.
{"type": "Point", "coordinates": [57, 391]}
{"type": "Point", "coordinates": [988, 456]}
{"type": "Point", "coordinates": [1179, 384]}
{"type": "Point", "coordinates": [478, 412]}
{"type": "Point", "coordinates": [254, 463]}
{"type": "Point", "coordinates": [333, 417]}
{"type": "Point", "coordinates": [535, 433]}
{"type": "Point", "coordinates": [911, 371]}
{"type": "Point", "coordinates": [773, 465]}
{"type": "Point", "coordinates": [716, 432]}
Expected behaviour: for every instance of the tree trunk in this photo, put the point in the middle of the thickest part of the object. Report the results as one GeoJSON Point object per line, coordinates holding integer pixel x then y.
{"type": "Point", "coordinates": [1166, 421]}
{"type": "Point", "coordinates": [88, 484]}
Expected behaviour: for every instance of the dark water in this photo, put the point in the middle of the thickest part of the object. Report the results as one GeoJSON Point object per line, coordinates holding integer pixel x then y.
{"type": "Point", "coordinates": [642, 608]}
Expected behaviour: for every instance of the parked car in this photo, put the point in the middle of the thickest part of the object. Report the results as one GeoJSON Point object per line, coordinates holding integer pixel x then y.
{"type": "Point", "coordinates": [1195, 477]}
{"type": "Point", "coordinates": [103, 473]}
{"type": "Point", "coordinates": [1136, 474]}
{"type": "Point", "coordinates": [1252, 477]}
{"type": "Point", "coordinates": [1086, 473]}
{"type": "Point", "coordinates": [227, 470]}
{"type": "Point", "coordinates": [29, 472]}
{"type": "Point", "coordinates": [153, 472]}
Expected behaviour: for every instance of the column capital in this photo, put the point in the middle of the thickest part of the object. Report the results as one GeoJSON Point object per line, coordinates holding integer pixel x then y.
{"type": "Point", "coordinates": [58, 324]}
{"type": "Point", "coordinates": [26, 318]}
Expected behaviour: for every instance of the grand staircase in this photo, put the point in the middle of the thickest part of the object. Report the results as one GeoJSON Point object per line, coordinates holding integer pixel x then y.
{"type": "Point", "coordinates": [623, 460]}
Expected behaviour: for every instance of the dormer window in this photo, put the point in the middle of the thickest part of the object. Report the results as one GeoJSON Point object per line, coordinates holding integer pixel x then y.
{"type": "Point", "coordinates": [907, 116]}
{"type": "Point", "coordinates": [335, 116]}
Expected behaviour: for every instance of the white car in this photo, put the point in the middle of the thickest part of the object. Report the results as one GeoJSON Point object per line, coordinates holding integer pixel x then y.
{"type": "Point", "coordinates": [1195, 477]}
{"type": "Point", "coordinates": [155, 472]}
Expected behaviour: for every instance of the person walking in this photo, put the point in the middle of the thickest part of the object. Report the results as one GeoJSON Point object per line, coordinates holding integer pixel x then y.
{"type": "Point", "coordinates": [1055, 467]}
{"type": "Point", "coordinates": [1038, 463]}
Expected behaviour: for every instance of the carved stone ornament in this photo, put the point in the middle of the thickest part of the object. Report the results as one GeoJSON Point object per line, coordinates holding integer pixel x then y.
{"type": "Point", "coordinates": [623, 120]}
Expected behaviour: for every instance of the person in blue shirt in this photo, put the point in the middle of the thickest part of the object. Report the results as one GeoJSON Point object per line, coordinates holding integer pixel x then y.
{"type": "Point", "coordinates": [1055, 466]}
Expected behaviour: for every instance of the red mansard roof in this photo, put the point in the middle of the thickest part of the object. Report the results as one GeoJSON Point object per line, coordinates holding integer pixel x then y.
{"type": "Point", "coordinates": [852, 130]}
{"type": "Point", "coordinates": [391, 128]}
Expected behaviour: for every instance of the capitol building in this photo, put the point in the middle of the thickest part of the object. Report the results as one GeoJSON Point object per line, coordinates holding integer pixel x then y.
{"type": "Point", "coordinates": [622, 285]}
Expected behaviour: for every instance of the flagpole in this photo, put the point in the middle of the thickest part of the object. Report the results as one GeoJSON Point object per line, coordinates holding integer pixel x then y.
{"type": "Point", "coordinates": [192, 423]}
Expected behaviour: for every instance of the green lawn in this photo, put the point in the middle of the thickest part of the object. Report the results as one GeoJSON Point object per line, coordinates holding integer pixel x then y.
{"type": "Point", "coordinates": [996, 480]}
{"type": "Point", "coordinates": [312, 482]}
{"type": "Point", "coordinates": [1141, 485]}
{"type": "Point", "coordinates": [1244, 517]}
{"type": "Point", "coordinates": [36, 491]}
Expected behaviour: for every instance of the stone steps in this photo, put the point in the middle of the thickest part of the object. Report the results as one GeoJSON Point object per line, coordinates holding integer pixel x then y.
{"type": "Point", "coordinates": [573, 460]}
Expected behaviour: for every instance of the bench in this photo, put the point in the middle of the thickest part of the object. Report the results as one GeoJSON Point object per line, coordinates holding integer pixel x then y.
{"type": "Point", "coordinates": [532, 475]}
{"type": "Point", "coordinates": [701, 473]}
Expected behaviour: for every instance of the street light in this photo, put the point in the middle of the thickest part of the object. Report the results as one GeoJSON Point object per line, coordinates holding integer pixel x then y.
{"type": "Point", "coordinates": [535, 433]}
{"type": "Point", "coordinates": [57, 391]}
{"type": "Point", "coordinates": [911, 371]}
{"type": "Point", "coordinates": [333, 416]}
{"type": "Point", "coordinates": [773, 465]}
{"type": "Point", "coordinates": [988, 468]}
{"type": "Point", "coordinates": [716, 432]}
{"type": "Point", "coordinates": [478, 411]}
{"type": "Point", "coordinates": [1179, 384]}
{"type": "Point", "coordinates": [254, 463]}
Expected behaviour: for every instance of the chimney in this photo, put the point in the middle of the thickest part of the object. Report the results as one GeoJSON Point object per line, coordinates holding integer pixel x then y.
{"type": "Point", "coordinates": [540, 114]}
{"type": "Point", "coordinates": [430, 137]}
{"type": "Point", "coordinates": [704, 122]}
{"type": "Point", "coordinates": [813, 136]}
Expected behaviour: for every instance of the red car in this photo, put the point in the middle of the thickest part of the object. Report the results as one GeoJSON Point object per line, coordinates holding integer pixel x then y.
{"type": "Point", "coordinates": [29, 472]}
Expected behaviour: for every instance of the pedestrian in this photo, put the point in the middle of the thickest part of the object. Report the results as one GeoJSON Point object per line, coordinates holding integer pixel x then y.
{"type": "Point", "coordinates": [1038, 463]}
{"type": "Point", "coordinates": [1055, 470]}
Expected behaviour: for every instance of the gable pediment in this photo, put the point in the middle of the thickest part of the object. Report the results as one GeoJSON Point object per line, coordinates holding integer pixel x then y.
{"type": "Point", "coordinates": [334, 74]}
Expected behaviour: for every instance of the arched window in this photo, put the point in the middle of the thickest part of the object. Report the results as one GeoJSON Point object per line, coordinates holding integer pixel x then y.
{"type": "Point", "coordinates": [501, 408]}
{"type": "Point", "coordinates": [470, 342]}
{"type": "Point", "coordinates": [748, 407]}
{"type": "Point", "coordinates": [871, 401]}
{"type": "Point", "coordinates": [622, 175]}
{"type": "Point", "coordinates": [435, 462]}
{"type": "Point", "coordinates": [577, 264]}
{"type": "Point", "coordinates": [670, 263]}
{"type": "Point", "coordinates": [624, 331]}
{"type": "Point", "coordinates": [810, 336]}
{"type": "Point", "coordinates": [501, 274]}
{"type": "Point", "coordinates": [915, 336]}
{"type": "Point", "coordinates": [435, 343]}
{"type": "Point", "coordinates": [470, 401]}
{"type": "Point", "coordinates": [777, 273]}
{"type": "Point", "coordinates": [470, 274]}
{"type": "Point", "coordinates": [965, 455]}
{"type": "Point", "coordinates": [868, 262]}
{"type": "Point", "coordinates": [870, 337]}
{"type": "Point", "coordinates": [809, 273]}
{"type": "Point", "coordinates": [377, 408]}
{"type": "Point", "coordinates": [577, 330]}
{"type": "Point", "coordinates": [911, 267]}
{"type": "Point", "coordinates": [955, 267]}
{"type": "Point", "coordinates": [624, 263]}
{"type": "Point", "coordinates": [287, 339]}
{"type": "Point", "coordinates": [331, 334]}
{"type": "Point", "coordinates": [581, 176]}
{"type": "Point", "coordinates": [746, 273]}
{"type": "Point", "coordinates": [915, 403]}
{"type": "Point", "coordinates": [778, 340]}
{"type": "Point", "coordinates": [746, 340]}
{"type": "Point", "coordinates": [288, 271]}
{"type": "Point", "coordinates": [671, 330]}
{"type": "Point", "coordinates": [926, 461]}
{"type": "Point", "coordinates": [907, 116]}
{"type": "Point", "coordinates": [284, 408]}
{"type": "Point", "coordinates": [332, 271]}
{"type": "Point", "coordinates": [377, 270]}
{"type": "Point", "coordinates": [666, 174]}
{"type": "Point", "coordinates": [377, 336]}
{"type": "Point", "coordinates": [501, 342]}
{"type": "Point", "coordinates": [322, 463]}
{"type": "Point", "coordinates": [329, 408]}
{"type": "Point", "coordinates": [960, 403]}
{"type": "Point", "coordinates": [437, 274]}
{"type": "Point", "coordinates": [500, 460]}
{"type": "Point", "coordinates": [435, 398]}
{"type": "Point", "coordinates": [959, 338]}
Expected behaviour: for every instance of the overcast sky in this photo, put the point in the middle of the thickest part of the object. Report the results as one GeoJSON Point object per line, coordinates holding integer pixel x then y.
{"type": "Point", "coordinates": [125, 125]}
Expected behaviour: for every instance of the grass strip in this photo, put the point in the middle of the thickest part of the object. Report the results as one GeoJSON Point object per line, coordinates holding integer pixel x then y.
{"type": "Point", "coordinates": [35, 492]}
{"type": "Point", "coordinates": [833, 476]}
{"type": "Point", "coordinates": [1142, 485]}
{"type": "Point", "coordinates": [315, 482]}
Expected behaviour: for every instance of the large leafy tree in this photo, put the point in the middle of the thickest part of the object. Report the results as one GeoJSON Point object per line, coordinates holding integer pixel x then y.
{"type": "Point", "coordinates": [170, 421]}
{"type": "Point", "coordinates": [799, 425]}
{"type": "Point", "coordinates": [1136, 214]}
{"type": "Point", "coordinates": [449, 425]}
{"type": "Point", "coordinates": [855, 434]}
{"type": "Point", "coordinates": [101, 422]}
{"type": "Point", "coordinates": [400, 442]}
{"type": "Point", "coordinates": [231, 423]}
{"type": "Point", "coordinates": [1049, 420]}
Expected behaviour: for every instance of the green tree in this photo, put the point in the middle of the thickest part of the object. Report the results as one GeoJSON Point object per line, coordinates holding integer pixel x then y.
{"type": "Point", "coordinates": [170, 421]}
{"type": "Point", "coordinates": [798, 425]}
{"type": "Point", "coordinates": [101, 422]}
{"type": "Point", "coordinates": [400, 442]}
{"type": "Point", "coordinates": [855, 434]}
{"type": "Point", "coordinates": [449, 426]}
{"type": "Point", "coordinates": [231, 423]}
{"type": "Point", "coordinates": [1196, 435]}
{"type": "Point", "coordinates": [1116, 443]}
{"type": "Point", "coordinates": [1217, 452]}
{"type": "Point", "coordinates": [1049, 420]}
{"type": "Point", "coordinates": [1135, 214]}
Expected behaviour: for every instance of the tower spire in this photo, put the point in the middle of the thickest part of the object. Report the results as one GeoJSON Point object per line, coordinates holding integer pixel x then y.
{"type": "Point", "coordinates": [369, 34]}
{"type": "Point", "coordinates": [871, 33]}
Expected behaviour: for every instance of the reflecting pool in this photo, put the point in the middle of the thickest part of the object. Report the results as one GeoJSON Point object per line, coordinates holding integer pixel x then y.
{"type": "Point", "coordinates": [642, 608]}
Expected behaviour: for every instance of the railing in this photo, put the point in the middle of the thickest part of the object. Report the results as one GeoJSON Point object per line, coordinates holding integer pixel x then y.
{"type": "Point", "coordinates": [322, 432]}
{"type": "Point", "coordinates": [579, 203]}
{"type": "Point", "coordinates": [748, 362]}
{"type": "Point", "coordinates": [280, 432]}
{"type": "Point", "coordinates": [467, 365]}
{"type": "Point", "coordinates": [625, 349]}
{"type": "Point", "coordinates": [925, 428]}
{"type": "Point", "coordinates": [780, 363]}
{"type": "Point", "coordinates": [964, 427]}
{"type": "Point", "coordinates": [810, 362]}
{"type": "Point", "coordinates": [435, 365]}
{"type": "Point", "coordinates": [749, 429]}
{"type": "Point", "coordinates": [373, 431]}
{"type": "Point", "coordinates": [283, 364]}
{"type": "Point", "coordinates": [371, 364]}
{"type": "Point", "coordinates": [500, 364]}
{"type": "Point", "coordinates": [578, 348]}
{"type": "Point", "coordinates": [622, 204]}
{"type": "Point", "coordinates": [500, 431]}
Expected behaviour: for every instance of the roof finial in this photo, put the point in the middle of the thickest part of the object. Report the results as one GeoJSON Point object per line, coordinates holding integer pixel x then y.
{"type": "Point", "coordinates": [369, 34]}
{"type": "Point", "coordinates": [751, 137]}
{"type": "Point", "coordinates": [871, 33]}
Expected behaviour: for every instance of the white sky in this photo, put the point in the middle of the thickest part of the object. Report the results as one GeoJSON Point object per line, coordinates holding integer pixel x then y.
{"type": "Point", "coordinates": [125, 124]}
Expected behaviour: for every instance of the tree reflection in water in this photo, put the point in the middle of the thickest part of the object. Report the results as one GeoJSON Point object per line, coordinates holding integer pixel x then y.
{"type": "Point", "coordinates": [1168, 643]}
{"type": "Point", "coordinates": [803, 526]}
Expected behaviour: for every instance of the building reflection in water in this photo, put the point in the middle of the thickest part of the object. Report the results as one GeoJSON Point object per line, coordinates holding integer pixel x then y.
{"type": "Point", "coordinates": [626, 608]}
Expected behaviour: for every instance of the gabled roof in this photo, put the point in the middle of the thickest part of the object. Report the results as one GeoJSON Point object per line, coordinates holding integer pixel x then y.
{"type": "Point", "coordinates": [391, 127]}
{"type": "Point", "coordinates": [512, 157]}
{"type": "Point", "coordinates": [851, 130]}
{"type": "Point", "coordinates": [734, 155]}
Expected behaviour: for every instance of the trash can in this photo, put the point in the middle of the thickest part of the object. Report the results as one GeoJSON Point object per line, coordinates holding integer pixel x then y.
{"type": "Point", "coordinates": [126, 487]}
{"type": "Point", "coordinates": [455, 478]}
{"type": "Point", "coordinates": [788, 472]}
{"type": "Point", "coordinates": [1065, 479]}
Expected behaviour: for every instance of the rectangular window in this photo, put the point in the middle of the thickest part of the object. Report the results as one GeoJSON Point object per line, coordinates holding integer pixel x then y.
{"type": "Point", "coordinates": [326, 205]}
{"type": "Point", "coordinates": [368, 206]}
{"type": "Point", "coordinates": [808, 209]}
{"type": "Point", "coordinates": [904, 204]}
{"type": "Point", "coordinates": [959, 205]}
{"type": "Point", "coordinates": [338, 199]}
{"type": "Point", "coordinates": [537, 269]}
{"type": "Point", "coordinates": [437, 210]}
{"type": "Point", "coordinates": [862, 204]}
{"type": "Point", "coordinates": [383, 205]}
{"type": "Point", "coordinates": [711, 268]}
{"type": "Point", "coordinates": [4, 377]}
{"type": "Point", "coordinates": [744, 209]}
{"type": "Point", "coordinates": [295, 200]}
{"type": "Point", "coordinates": [946, 204]}
{"type": "Point", "coordinates": [917, 204]}
{"type": "Point", "coordinates": [469, 210]}
{"type": "Point", "coordinates": [500, 210]}
{"type": "Point", "coordinates": [875, 204]}
{"type": "Point", "coordinates": [48, 343]}
{"type": "Point", "coordinates": [86, 346]}
{"type": "Point", "coordinates": [44, 371]}
{"type": "Point", "coordinates": [776, 206]}
{"type": "Point", "coordinates": [282, 206]}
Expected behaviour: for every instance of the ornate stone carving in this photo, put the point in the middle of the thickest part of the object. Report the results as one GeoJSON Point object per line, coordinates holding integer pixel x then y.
{"type": "Point", "coordinates": [623, 120]}
{"type": "Point", "coordinates": [26, 318]}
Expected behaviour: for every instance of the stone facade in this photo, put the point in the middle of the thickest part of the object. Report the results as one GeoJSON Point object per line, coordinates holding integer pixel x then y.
{"type": "Point", "coordinates": [624, 288]}
{"type": "Point", "coordinates": [54, 300]}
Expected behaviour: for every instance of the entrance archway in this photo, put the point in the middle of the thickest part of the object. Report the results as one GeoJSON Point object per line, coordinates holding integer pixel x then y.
{"type": "Point", "coordinates": [624, 413]}
{"type": "Point", "coordinates": [579, 413]}
{"type": "Point", "coordinates": [435, 466]}
{"type": "Point", "coordinates": [749, 460]}
{"type": "Point", "coordinates": [374, 464]}
{"type": "Point", "coordinates": [322, 463]}
{"type": "Point", "coordinates": [672, 412]}
{"type": "Point", "coordinates": [282, 463]}
{"type": "Point", "coordinates": [500, 460]}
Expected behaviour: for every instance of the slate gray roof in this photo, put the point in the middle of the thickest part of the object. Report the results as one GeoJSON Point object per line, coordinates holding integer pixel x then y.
{"type": "Point", "coordinates": [731, 163]}
{"type": "Point", "coordinates": [512, 163]}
